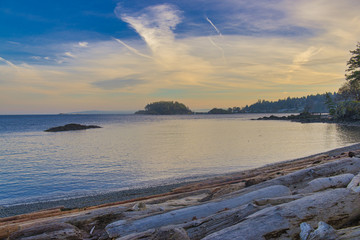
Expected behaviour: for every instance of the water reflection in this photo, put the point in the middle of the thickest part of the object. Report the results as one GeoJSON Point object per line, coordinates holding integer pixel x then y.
{"type": "Point", "coordinates": [348, 134]}
{"type": "Point", "coordinates": [133, 151]}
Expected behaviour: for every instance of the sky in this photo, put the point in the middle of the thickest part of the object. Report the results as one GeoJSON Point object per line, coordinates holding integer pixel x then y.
{"type": "Point", "coordinates": [67, 56]}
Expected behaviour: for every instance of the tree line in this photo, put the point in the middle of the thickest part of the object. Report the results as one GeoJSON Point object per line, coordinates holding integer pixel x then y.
{"type": "Point", "coordinates": [343, 105]}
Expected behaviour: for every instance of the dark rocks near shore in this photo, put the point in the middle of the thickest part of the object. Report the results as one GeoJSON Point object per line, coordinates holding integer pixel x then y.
{"type": "Point", "coordinates": [71, 127]}
{"type": "Point", "coordinates": [302, 117]}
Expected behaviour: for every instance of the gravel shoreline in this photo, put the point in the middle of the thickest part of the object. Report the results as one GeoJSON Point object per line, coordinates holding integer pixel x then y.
{"type": "Point", "coordinates": [118, 196]}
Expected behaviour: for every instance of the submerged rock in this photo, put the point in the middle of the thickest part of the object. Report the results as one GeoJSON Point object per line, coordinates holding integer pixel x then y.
{"type": "Point", "coordinates": [71, 127]}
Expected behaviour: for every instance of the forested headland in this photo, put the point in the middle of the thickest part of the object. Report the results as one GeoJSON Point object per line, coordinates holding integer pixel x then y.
{"type": "Point", "coordinates": [343, 105]}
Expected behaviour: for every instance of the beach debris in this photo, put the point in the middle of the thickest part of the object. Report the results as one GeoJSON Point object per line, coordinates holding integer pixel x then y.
{"type": "Point", "coordinates": [299, 179]}
{"type": "Point", "coordinates": [277, 200]}
{"type": "Point", "coordinates": [355, 183]}
{"type": "Point", "coordinates": [306, 229]}
{"type": "Point", "coordinates": [320, 184]}
{"type": "Point", "coordinates": [199, 228]}
{"type": "Point", "coordinates": [323, 232]}
{"type": "Point", "coordinates": [170, 233]}
{"type": "Point", "coordinates": [124, 227]}
{"type": "Point", "coordinates": [92, 230]}
{"type": "Point", "coordinates": [140, 206]}
{"type": "Point", "coordinates": [336, 206]}
{"type": "Point", "coordinates": [71, 127]}
{"type": "Point", "coordinates": [350, 233]}
{"type": "Point", "coordinates": [48, 231]}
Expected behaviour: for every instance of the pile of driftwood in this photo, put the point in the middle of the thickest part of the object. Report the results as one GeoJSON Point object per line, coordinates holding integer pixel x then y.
{"type": "Point", "coordinates": [318, 202]}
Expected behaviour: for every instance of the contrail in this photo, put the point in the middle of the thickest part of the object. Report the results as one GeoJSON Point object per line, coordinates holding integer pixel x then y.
{"type": "Point", "coordinates": [220, 48]}
{"type": "Point", "coordinates": [216, 29]}
{"type": "Point", "coordinates": [8, 62]}
{"type": "Point", "coordinates": [133, 49]}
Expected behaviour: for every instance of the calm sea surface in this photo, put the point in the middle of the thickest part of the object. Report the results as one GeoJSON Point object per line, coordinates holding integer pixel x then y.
{"type": "Point", "coordinates": [133, 151]}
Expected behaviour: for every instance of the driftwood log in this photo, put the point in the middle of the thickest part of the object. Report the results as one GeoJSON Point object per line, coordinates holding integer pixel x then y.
{"type": "Point", "coordinates": [299, 179]}
{"type": "Point", "coordinates": [335, 207]}
{"type": "Point", "coordinates": [125, 227]}
{"type": "Point", "coordinates": [354, 184]}
{"type": "Point", "coordinates": [198, 229]}
{"type": "Point", "coordinates": [320, 184]}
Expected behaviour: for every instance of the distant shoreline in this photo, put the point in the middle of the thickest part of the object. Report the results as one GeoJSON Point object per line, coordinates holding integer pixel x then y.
{"type": "Point", "coordinates": [312, 118]}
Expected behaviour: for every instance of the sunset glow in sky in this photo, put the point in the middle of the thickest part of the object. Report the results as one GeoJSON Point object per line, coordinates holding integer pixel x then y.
{"type": "Point", "coordinates": [66, 56]}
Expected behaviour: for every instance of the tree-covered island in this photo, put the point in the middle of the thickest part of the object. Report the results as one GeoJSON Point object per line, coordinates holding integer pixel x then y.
{"type": "Point", "coordinates": [165, 108]}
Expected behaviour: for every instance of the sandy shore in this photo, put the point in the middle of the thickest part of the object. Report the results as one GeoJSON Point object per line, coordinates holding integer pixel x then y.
{"type": "Point", "coordinates": [118, 197]}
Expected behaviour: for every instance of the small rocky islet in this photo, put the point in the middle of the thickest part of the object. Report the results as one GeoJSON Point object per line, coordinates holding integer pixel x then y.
{"type": "Point", "coordinates": [71, 127]}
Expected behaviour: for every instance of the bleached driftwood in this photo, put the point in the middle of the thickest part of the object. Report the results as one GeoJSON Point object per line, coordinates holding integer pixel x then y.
{"type": "Point", "coordinates": [48, 231]}
{"type": "Point", "coordinates": [305, 230]}
{"type": "Point", "coordinates": [298, 179]}
{"type": "Point", "coordinates": [125, 227]}
{"type": "Point", "coordinates": [278, 200]}
{"type": "Point", "coordinates": [323, 232]}
{"type": "Point", "coordinates": [336, 207]}
{"type": "Point", "coordinates": [320, 184]}
{"type": "Point", "coordinates": [354, 184]}
{"type": "Point", "coordinates": [351, 233]}
{"type": "Point", "coordinates": [66, 227]}
{"type": "Point", "coordinates": [197, 229]}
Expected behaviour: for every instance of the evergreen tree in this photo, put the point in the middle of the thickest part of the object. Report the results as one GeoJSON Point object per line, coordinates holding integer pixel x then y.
{"type": "Point", "coordinates": [351, 89]}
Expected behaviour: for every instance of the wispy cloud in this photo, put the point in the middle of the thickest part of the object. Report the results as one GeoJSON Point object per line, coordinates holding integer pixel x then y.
{"type": "Point", "coordinates": [271, 47]}
{"type": "Point", "coordinates": [305, 56]}
{"type": "Point", "coordinates": [83, 44]}
{"type": "Point", "coordinates": [69, 54]}
{"type": "Point", "coordinates": [155, 25]}
{"type": "Point", "coordinates": [119, 83]}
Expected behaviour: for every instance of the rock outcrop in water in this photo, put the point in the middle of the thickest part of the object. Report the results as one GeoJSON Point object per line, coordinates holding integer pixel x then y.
{"type": "Point", "coordinates": [71, 127]}
{"type": "Point", "coordinates": [302, 117]}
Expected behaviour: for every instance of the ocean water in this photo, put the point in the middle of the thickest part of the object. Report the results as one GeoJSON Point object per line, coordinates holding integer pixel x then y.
{"type": "Point", "coordinates": [134, 151]}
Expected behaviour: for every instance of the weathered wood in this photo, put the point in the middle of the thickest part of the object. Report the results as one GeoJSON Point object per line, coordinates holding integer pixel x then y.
{"type": "Point", "coordinates": [305, 230]}
{"type": "Point", "coordinates": [124, 227]}
{"type": "Point", "coordinates": [354, 184]}
{"type": "Point", "coordinates": [323, 232]}
{"type": "Point", "coordinates": [199, 228]}
{"type": "Point", "coordinates": [320, 184]}
{"type": "Point", "coordinates": [336, 207]}
{"type": "Point", "coordinates": [351, 233]}
{"type": "Point", "coordinates": [278, 200]}
{"type": "Point", "coordinates": [84, 220]}
{"type": "Point", "coordinates": [298, 179]}
{"type": "Point", "coordinates": [48, 231]}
